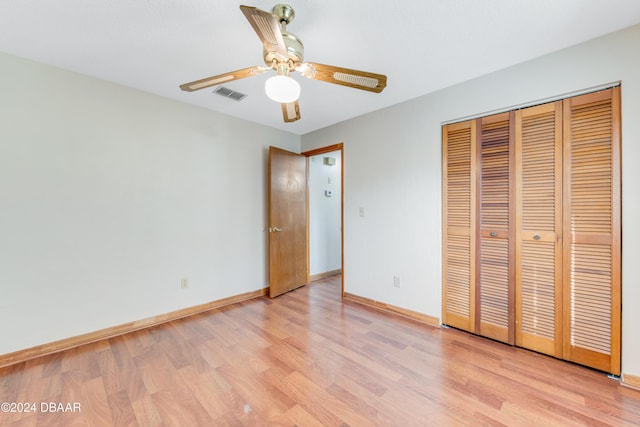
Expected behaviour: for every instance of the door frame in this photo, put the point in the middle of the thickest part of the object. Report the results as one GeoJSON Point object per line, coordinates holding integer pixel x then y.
{"type": "Point", "coordinates": [315, 152]}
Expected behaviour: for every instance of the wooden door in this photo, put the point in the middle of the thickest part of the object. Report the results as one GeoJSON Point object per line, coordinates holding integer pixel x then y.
{"type": "Point", "coordinates": [592, 238]}
{"type": "Point", "coordinates": [495, 271]}
{"type": "Point", "coordinates": [459, 212]}
{"type": "Point", "coordinates": [539, 228]}
{"type": "Point", "coordinates": [288, 238]}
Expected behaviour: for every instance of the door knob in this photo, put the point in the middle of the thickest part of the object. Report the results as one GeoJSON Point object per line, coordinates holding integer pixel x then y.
{"type": "Point", "coordinates": [274, 229]}
{"type": "Point", "coordinates": [494, 234]}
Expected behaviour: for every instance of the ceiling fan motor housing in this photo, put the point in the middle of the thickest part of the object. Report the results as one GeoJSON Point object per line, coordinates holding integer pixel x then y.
{"type": "Point", "coordinates": [295, 52]}
{"type": "Point", "coordinates": [284, 14]}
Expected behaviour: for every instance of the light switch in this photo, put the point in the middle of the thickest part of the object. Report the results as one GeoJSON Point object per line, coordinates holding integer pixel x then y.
{"type": "Point", "coordinates": [362, 212]}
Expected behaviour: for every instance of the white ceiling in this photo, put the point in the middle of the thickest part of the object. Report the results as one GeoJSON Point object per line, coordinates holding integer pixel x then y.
{"type": "Point", "coordinates": [421, 45]}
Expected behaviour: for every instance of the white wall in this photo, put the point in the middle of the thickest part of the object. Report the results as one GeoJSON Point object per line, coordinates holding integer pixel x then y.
{"type": "Point", "coordinates": [110, 196]}
{"type": "Point", "coordinates": [325, 246]}
{"type": "Point", "coordinates": [393, 169]}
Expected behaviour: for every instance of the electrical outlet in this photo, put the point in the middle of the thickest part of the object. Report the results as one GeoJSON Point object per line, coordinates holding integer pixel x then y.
{"type": "Point", "coordinates": [184, 283]}
{"type": "Point", "coordinates": [396, 281]}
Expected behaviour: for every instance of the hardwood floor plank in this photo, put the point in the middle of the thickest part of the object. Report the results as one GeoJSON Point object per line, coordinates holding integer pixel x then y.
{"type": "Point", "coordinates": [320, 403]}
{"type": "Point", "coordinates": [146, 412]}
{"type": "Point", "coordinates": [180, 409]}
{"type": "Point", "coordinates": [300, 417]}
{"type": "Point", "coordinates": [387, 412]}
{"type": "Point", "coordinates": [258, 396]}
{"type": "Point", "coordinates": [122, 412]}
{"type": "Point", "coordinates": [332, 363]}
{"type": "Point", "coordinates": [357, 404]}
{"type": "Point", "coordinates": [157, 371]}
{"type": "Point", "coordinates": [207, 389]}
{"type": "Point", "coordinates": [308, 359]}
{"type": "Point", "coordinates": [93, 402]}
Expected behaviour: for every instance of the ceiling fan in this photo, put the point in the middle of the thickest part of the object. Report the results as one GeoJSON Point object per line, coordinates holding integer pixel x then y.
{"type": "Point", "coordinates": [284, 53]}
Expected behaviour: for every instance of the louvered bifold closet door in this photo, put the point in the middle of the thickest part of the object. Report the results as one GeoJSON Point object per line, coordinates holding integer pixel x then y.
{"type": "Point", "coordinates": [538, 228]}
{"type": "Point", "coordinates": [592, 230]}
{"type": "Point", "coordinates": [494, 280]}
{"type": "Point", "coordinates": [459, 196]}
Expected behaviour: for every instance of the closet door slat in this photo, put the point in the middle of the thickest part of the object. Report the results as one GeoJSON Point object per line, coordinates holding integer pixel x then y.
{"type": "Point", "coordinates": [538, 228]}
{"type": "Point", "coordinates": [459, 195]}
{"type": "Point", "coordinates": [494, 290]}
{"type": "Point", "coordinates": [592, 230]}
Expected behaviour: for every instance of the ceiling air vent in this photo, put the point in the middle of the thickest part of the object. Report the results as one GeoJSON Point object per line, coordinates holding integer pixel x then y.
{"type": "Point", "coordinates": [228, 93]}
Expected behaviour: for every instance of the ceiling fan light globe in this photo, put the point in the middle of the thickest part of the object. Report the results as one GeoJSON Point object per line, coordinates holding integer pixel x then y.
{"type": "Point", "coordinates": [282, 89]}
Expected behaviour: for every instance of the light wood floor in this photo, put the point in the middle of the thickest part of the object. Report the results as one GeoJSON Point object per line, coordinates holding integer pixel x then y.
{"type": "Point", "coordinates": [307, 359]}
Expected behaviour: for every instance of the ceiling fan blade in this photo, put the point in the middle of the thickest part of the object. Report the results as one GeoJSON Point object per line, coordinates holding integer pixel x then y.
{"type": "Point", "coordinates": [291, 111]}
{"type": "Point", "coordinates": [222, 78]}
{"type": "Point", "coordinates": [364, 80]}
{"type": "Point", "coordinates": [267, 28]}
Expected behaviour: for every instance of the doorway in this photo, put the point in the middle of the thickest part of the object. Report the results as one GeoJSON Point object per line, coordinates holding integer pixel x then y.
{"type": "Point", "coordinates": [325, 222]}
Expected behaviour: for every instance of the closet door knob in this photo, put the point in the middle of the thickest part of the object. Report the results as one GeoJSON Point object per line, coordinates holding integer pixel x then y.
{"type": "Point", "coordinates": [494, 234]}
{"type": "Point", "coordinates": [536, 237]}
